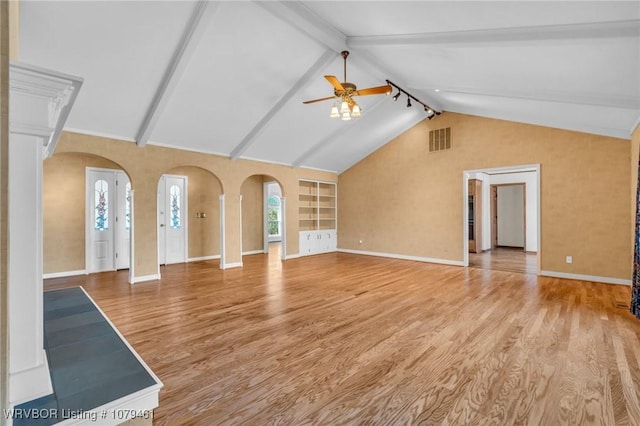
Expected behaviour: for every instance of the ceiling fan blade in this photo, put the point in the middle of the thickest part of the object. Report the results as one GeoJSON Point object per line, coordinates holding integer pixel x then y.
{"type": "Point", "coordinates": [318, 100]}
{"type": "Point", "coordinates": [374, 91]}
{"type": "Point", "coordinates": [334, 82]}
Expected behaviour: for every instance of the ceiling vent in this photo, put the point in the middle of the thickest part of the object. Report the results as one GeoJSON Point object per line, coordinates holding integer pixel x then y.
{"type": "Point", "coordinates": [440, 140]}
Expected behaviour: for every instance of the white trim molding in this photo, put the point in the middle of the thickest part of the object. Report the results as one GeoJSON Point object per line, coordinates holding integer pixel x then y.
{"type": "Point", "coordinates": [405, 257]}
{"type": "Point", "coordinates": [201, 258]}
{"type": "Point", "coordinates": [292, 256]}
{"type": "Point", "coordinates": [65, 274]}
{"type": "Point", "coordinates": [250, 252]}
{"type": "Point", "coordinates": [41, 101]}
{"type": "Point", "coordinates": [581, 277]}
{"type": "Point", "coordinates": [231, 265]}
{"type": "Point", "coordinates": [144, 278]}
{"type": "Point", "coordinates": [22, 382]}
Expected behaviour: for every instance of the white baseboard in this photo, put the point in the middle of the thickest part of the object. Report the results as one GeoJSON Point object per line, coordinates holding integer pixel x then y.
{"type": "Point", "coordinates": [247, 253]}
{"type": "Point", "coordinates": [30, 384]}
{"type": "Point", "coordinates": [198, 259]}
{"type": "Point", "coordinates": [231, 265]}
{"type": "Point", "coordinates": [594, 278]}
{"type": "Point", "coordinates": [291, 256]}
{"type": "Point", "coordinates": [144, 278]}
{"type": "Point", "coordinates": [64, 274]}
{"type": "Point", "coordinates": [405, 257]}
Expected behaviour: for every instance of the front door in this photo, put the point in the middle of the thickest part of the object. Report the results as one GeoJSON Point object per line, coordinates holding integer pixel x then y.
{"type": "Point", "coordinates": [123, 220]}
{"type": "Point", "coordinates": [108, 220]}
{"type": "Point", "coordinates": [172, 219]}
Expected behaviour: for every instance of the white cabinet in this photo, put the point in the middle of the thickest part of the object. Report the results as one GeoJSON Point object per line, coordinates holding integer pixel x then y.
{"type": "Point", "coordinates": [317, 218]}
{"type": "Point", "coordinates": [316, 242]}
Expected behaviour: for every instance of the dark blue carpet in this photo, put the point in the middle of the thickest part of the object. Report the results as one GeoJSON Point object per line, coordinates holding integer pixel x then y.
{"type": "Point", "coordinates": [89, 364]}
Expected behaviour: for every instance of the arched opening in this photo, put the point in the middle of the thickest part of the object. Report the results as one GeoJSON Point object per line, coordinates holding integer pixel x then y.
{"type": "Point", "coordinates": [189, 220]}
{"type": "Point", "coordinates": [263, 217]}
{"type": "Point", "coordinates": [87, 216]}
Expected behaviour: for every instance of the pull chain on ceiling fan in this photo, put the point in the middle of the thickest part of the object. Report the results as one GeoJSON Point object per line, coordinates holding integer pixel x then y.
{"type": "Point", "coordinates": [345, 92]}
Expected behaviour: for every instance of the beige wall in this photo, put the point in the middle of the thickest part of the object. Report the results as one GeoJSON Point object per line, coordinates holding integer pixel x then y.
{"type": "Point", "coordinates": [252, 213]}
{"type": "Point", "coordinates": [204, 191]}
{"type": "Point", "coordinates": [4, 168]}
{"type": "Point", "coordinates": [413, 199]}
{"type": "Point", "coordinates": [145, 166]}
{"type": "Point", "coordinates": [64, 209]}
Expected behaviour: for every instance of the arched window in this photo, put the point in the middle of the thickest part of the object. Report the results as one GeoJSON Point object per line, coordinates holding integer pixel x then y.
{"type": "Point", "coordinates": [273, 214]}
{"type": "Point", "coordinates": [174, 192]}
{"type": "Point", "coordinates": [102, 205]}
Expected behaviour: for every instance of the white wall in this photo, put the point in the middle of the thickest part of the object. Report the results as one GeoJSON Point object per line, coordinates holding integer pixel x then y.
{"type": "Point", "coordinates": [531, 194]}
{"type": "Point", "coordinates": [511, 216]}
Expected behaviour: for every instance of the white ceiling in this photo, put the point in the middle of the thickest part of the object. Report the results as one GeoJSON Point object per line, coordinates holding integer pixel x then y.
{"type": "Point", "coordinates": [229, 77]}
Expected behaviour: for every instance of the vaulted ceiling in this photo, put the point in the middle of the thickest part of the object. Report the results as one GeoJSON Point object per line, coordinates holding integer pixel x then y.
{"type": "Point", "coordinates": [229, 78]}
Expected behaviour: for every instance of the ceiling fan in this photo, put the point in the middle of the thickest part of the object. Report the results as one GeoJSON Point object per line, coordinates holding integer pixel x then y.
{"type": "Point", "coordinates": [345, 91]}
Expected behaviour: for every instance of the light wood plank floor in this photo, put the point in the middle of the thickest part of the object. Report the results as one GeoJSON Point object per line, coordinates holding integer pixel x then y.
{"type": "Point", "coordinates": [505, 259]}
{"type": "Point", "coordinates": [348, 339]}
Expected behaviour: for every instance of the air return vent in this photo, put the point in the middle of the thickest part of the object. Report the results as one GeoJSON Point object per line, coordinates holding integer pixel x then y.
{"type": "Point", "coordinates": [440, 140]}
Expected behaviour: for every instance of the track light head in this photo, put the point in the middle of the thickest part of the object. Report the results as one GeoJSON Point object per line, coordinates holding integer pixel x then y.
{"type": "Point", "coordinates": [431, 113]}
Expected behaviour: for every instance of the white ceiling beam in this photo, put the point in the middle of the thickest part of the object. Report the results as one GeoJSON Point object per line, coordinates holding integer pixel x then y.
{"type": "Point", "coordinates": [630, 28]}
{"type": "Point", "coordinates": [323, 143]}
{"type": "Point", "coordinates": [192, 34]}
{"type": "Point", "coordinates": [328, 56]}
{"type": "Point", "coordinates": [306, 21]}
{"type": "Point", "coordinates": [616, 101]}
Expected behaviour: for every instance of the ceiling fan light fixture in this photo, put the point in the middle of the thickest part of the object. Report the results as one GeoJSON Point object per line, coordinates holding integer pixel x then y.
{"type": "Point", "coordinates": [356, 111]}
{"type": "Point", "coordinates": [346, 116]}
{"type": "Point", "coordinates": [344, 107]}
{"type": "Point", "coordinates": [334, 112]}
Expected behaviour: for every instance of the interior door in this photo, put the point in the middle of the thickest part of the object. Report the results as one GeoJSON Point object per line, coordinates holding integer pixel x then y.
{"type": "Point", "coordinates": [494, 216]}
{"type": "Point", "coordinates": [172, 219]}
{"type": "Point", "coordinates": [101, 205]}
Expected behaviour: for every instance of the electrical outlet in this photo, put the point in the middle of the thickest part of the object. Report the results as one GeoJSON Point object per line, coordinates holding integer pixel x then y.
{"type": "Point", "coordinates": [569, 259]}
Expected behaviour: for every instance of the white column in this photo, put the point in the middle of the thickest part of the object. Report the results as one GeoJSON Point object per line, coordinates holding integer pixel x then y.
{"type": "Point", "coordinates": [29, 371]}
{"type": "Point", "coordinates": [222, 234]}
{"type": "Point", "coordinates": [40, 101]}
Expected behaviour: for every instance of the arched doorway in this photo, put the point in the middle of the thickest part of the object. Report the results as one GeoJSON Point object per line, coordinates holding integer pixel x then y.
{"type": "Point", "coordinates": [86, 215]}
{"type": "Point", "coordinates": [263, 216]}
{"type": "Point", "coordinates": [189, 220]}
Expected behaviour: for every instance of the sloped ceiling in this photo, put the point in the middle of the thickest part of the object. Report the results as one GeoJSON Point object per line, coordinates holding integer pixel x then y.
{"type": "Point", "coordinates": [229, 78]}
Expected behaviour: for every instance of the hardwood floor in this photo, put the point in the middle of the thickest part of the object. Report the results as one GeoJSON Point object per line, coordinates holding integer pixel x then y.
{"type": "Point", "coordinates": [505, 259]}
{"type": "Point", "coordinates": [348, 339]}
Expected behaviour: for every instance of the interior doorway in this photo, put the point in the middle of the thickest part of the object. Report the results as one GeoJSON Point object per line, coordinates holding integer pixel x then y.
{"type": "Point", "coordinates": [511, 223]}
{"type": "Point", "coordinates": [108, 222]}
{"type": "Point", "coordinates": [263, 212]}
{"type": "Point", "coordinates": [508, 216]}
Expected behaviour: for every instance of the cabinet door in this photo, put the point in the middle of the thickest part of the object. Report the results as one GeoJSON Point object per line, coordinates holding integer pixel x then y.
{"type": "Point", "coordinates": [332, 243]}
{"type": "Point", "coordinates": [305, 243]}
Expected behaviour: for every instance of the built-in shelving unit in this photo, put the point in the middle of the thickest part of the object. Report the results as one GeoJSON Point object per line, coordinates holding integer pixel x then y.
{"type": "Point", "coordinates": [317, 216]}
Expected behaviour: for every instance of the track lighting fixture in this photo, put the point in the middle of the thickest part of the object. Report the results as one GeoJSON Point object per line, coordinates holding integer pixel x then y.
{"type": "Point", "coordinates": [430, 111]}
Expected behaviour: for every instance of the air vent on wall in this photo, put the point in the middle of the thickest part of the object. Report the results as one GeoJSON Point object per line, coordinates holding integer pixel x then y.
{"type": "Point", "coordinates": [440, 139]}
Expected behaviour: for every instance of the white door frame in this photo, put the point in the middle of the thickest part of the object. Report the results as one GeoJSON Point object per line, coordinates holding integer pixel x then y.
{"type": "Point", "coordinates": [465, 210]}
{"type": "Point", "coordinates": [185, 216]}
{"type": "Point", "coordinates": [89, 221]}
